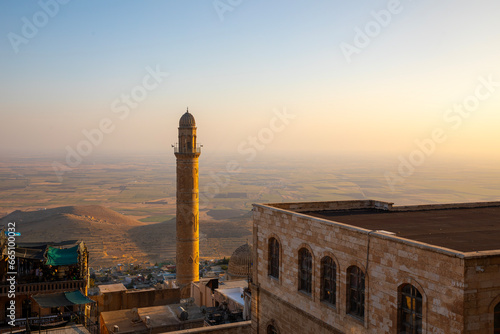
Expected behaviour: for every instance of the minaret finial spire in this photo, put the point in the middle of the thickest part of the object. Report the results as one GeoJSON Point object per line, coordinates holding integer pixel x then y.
{"type": "Point", "coordinates": [187, 109]}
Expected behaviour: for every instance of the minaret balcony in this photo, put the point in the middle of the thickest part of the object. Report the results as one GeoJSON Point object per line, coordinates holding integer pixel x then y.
{"type": "Point", "coordinates": [187, 150]}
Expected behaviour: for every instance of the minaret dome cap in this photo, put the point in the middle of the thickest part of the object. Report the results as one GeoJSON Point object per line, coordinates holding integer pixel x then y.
{"type": "Point", "coordinates": [187, 121]}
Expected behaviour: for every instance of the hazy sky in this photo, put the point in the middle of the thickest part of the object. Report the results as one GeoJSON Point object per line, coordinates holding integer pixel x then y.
{"type": "Point", "coordinates": [319, 76]}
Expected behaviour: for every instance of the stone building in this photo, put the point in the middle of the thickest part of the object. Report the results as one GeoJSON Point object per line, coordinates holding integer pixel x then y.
{"type": "Point", "coordinates": [367, 266]}
{"type": "Point", "coordinates": [41, 269]}
{"type": "Point", "coordinates": [152, 320]}
{"type": "Point", "coordinates": [187, 215]}
{"type": "Point", "coordinates": [232, 294]}
{"type": "Point", "coordinates": [113, 297]}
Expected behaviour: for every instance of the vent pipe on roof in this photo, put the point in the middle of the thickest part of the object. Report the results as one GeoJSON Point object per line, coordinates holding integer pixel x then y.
{"type": "Point", "coordinates": [181, 313]}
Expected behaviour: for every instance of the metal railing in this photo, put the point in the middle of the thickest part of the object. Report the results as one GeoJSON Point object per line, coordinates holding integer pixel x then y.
{"type": "Point", "coordinates": [35, 322]}
{"type": "Point", "coordinates": [44, 287]}
{"type": "Point", "coordinates": [188, 150]}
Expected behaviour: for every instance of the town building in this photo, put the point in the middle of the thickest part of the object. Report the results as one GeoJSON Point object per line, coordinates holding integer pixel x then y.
{"type": "Point", "coordinates": [211, 292]}
{"type": "Point", "coordinates": [113, 297]}
{"type": "Point", "coordinates": [203, 291]}
{"type": "Point", "coordinates": [228, 297]}
{"type": "Point", "coordinates": [367, 266]}
{"type": "Point", "coordinates": [152, 320]}
{"type": "Point", "coordinates": [49, 286]}
{"type": "Point", "coordinates": [235, 297]}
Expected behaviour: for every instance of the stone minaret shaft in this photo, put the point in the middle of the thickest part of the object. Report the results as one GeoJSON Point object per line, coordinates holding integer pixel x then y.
{"type": "Point", "coordinates": [187, 218]}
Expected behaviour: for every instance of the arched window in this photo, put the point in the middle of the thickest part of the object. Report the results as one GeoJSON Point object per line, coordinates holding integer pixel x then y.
{"type": "Point", "coordinates": [305, 270]}
{"type": "Point", "coordinates": [410, 310]}
{"type": "Point", "coordinates": [328, 280]}
{"type": "Point", "coordinates": [274, 258]}
{"type": "Point", "coordinates": [271, 330]}
{"type": "Point", "coordinates": [496, 321]}
{"type": "Point", "coordinates": [355, 292]}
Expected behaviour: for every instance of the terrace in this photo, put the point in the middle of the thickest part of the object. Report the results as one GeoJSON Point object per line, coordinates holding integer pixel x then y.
{"type": "Point", "coordinates": [42, 268]}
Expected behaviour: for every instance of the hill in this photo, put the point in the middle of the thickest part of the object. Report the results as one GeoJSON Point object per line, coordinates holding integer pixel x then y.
{"type": "Point", "coordinates": [115, 238]}
{"type": "Point", "coordinates": [104, 231]}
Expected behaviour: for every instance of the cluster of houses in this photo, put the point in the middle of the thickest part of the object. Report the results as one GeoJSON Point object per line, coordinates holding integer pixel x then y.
{"type": "Point", "coordinates": [69, 294]}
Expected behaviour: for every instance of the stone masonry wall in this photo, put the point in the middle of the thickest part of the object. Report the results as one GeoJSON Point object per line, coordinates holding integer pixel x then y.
{"type": "Point", "coordinates": [243, 327]}
{"type": "Point", "coordinates": [482, 292]}
{"type": "Point", "coordinates": [272, 310]}
{"type": "Point", "coordinates": [122, 300]}
{"type": "Point", "coordinates": [437, 273]}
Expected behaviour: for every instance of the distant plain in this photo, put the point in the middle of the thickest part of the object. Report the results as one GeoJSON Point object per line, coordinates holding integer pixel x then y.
{"type": "Point", "coordinates": [142, 188]}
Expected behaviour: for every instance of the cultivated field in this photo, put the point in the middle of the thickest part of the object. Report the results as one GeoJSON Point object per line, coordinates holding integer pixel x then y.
{"type": "Point", "coordinates": [142, 189]}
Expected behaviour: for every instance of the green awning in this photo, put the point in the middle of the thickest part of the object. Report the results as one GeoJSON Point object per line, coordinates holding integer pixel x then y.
{"type": "Point", "coordinates": [52, 300]}
{"type": "Point", "coordinates": [77, 298]}
{"type": "Point", "coordinates": [34, 253]}
{"type": "Point", "coordinates": [62, 299]}
{"type": "Point", "coordinates": [62, 257]}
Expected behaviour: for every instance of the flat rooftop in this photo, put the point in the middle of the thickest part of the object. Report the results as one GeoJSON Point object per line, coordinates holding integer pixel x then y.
{"type": "Point", "coordinates": [106, 288]}
{"type": "Point", "coordinates": [161, 317]}
{"type": "Point", "coordinates": [461, 229]}
{"type": "Point", "coordinates": [71, 329]}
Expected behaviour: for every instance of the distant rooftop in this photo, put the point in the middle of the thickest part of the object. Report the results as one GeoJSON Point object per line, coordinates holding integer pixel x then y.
{"type": "Point", "coordinates": [465, 227]}
{"type": "Point", "coordinates": [107, 288]}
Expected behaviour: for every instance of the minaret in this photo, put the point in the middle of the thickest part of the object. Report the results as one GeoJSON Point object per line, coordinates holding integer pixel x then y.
{"type": "Point", "coordinates": [187, 218]}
